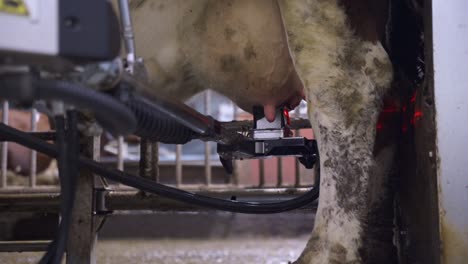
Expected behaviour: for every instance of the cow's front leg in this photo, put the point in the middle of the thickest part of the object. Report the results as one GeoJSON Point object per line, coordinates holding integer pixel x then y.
{"type": "Point", "coordinates": [344, 78]}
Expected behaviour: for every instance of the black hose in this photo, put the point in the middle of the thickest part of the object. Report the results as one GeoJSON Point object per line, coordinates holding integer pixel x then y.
{"type": "Point", "coordinates": [28, 141]}
{"type": "Point", "coordinates": [67, 160]}
{"type": "Point", "coordinates": [110, 113]}
{"type": "Point", "coordinates": [196, 199]}
{"type": "Point", "coordinates": [52, 253]}
{"type": "Point", "coordinates": [157, 126]}
{"type": "Point", "coordinates": [65, 192]}
{"type": "Point", "coordinates": [70, 173]}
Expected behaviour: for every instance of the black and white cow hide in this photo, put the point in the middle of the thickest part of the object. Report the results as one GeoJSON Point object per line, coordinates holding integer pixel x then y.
{"type": "Point", "coordinates": [271, 53]}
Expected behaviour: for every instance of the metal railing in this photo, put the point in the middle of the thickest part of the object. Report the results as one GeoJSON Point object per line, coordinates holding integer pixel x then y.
{"type": "Point", "coordinates": [4, 172]}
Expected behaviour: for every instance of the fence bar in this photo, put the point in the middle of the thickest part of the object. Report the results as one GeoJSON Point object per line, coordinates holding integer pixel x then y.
{"type": "Point", "coordinates": [235, 163]}
{"type": "Point", "coordinates": [207, 163]}
{"type": "Point", "coordinates": [297, 171]}
{"type": "Point", "coordinates": [207, 144]}
{"type": "Point", "coordinates": [155, 161]}
{"type": "Point", "coordinates": [33, 158]}
{"type": "Point", "coordinates": [261, 169]}
{"type": "Point", "coordinates": [178, 165]}
{"type": "Point", "coordinates": [297, 178]}
{"type": "Point", "coordinates": [149, 159]}
{"type": "Point", "coordinates": [131, 199]}
{"type": "Point", "coordinates": [279, 182]}
{"type": "Point", "coordinates": [30, 201]}
{"type": "Point", "coordinates": [121, 149]}
{"type": "Point", "coordinates": [4, 153]}
{"type": "Point", "coordinates": [24, 246]}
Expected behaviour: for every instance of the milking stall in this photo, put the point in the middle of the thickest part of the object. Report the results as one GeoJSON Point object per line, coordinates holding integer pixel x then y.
{"type": "Point", "coordinates": [172, 131]}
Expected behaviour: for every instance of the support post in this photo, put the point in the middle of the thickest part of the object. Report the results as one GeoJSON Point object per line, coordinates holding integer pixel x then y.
{"type": "Point", "coordinates": [83, 237]}
{"type": "Point", "coordinates": [149, 159]}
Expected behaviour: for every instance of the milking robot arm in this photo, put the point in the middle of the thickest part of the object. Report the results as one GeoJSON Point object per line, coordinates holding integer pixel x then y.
{"type": "Point", "coordinates": [269, 139]}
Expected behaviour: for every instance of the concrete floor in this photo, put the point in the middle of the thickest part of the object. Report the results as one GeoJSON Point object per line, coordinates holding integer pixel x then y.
{"type": "Point", "coordinates": [170, 251]}
{"type": "Point", "coordinates": [193, 238]}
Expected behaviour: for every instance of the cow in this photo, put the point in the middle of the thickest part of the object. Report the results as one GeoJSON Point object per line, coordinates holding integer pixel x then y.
{"type": "Point", "coordinates": [274, 53]}
{"type": "Point", "coordinates": [18, 156]}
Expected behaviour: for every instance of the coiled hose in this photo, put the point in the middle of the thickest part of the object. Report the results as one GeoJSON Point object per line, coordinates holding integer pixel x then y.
{"type": "Point", "coordinates": [155, 125]}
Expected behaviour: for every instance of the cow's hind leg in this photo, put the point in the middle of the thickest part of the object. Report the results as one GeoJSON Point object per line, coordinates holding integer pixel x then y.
{"type": "Point", "coordinates": [344, 78]}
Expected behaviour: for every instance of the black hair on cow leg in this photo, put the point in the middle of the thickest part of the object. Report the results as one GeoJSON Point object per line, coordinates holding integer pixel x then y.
{"type": "Point", "coordinates": [406, 39]}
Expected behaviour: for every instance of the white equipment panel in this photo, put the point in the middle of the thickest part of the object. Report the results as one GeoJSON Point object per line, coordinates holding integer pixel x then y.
{"type": "Point", "coordinates": [36, 32]}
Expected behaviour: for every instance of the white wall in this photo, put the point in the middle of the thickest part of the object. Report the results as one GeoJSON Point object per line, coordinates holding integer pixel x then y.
{"type": "Point", "coordinates": [450, 36]}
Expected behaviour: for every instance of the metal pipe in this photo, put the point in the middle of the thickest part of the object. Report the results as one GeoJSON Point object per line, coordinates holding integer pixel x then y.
{"type": "Point", "coordinates": [296, 123]}
{"type": "Point", "coordinates": [178, 165]}
{"type": "Point", "coordinates": [235, 163]}
{"type": "Point", "coordinates": [155, 161]}
{"type": "Point", "coordinates": [4, 153]}
{"type": "Point", "coordinates": [30, 202]}
{"type": "Point", "coordinates": [33, 160]}
{"type": "Point", "coordinates": [261, 169]}
{"type": "Point", "coordinates": [133, 200]}
{"type": "Point", "coordinates": [279, 175]}
{"type": "Point", "coordinates": [207, 144]}
{"type": "Point", "coordinates": [121, 148]}
{"type": "Point", "coordinates": [297, 174]}
{"type": "Point", "coordinates": [149, 159]}
{"type": "Point", "coordinates": [127, 31]}
{"type": "Point", "coordinates": [297, 164]}
{"type": "Point", "coordinates": [28, 190]}
{"type": "Point", "coordinates": [24, 246]}
{"type": "Point", "coordinates": [207, 163]}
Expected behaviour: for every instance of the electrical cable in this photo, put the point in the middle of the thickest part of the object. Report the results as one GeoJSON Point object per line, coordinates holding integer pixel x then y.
{"type": "Point", "coordinates": [22, 138]}
{"type": "Point", "coordinates": [67, 157]}
{"type": "Point", "coordinates": [61, 164]}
